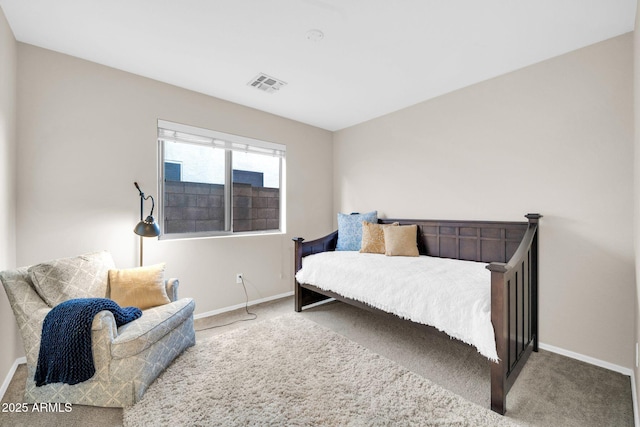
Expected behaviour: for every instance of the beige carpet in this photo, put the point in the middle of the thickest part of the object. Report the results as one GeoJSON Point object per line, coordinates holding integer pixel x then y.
{"type": "Point", "coordinates": [291, 371]}
{"type": "Point", "coordinates": [552, 390]}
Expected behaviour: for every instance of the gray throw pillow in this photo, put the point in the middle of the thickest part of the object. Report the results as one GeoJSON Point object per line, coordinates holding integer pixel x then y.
{"type": "Point", "coordinates": [84, 276]}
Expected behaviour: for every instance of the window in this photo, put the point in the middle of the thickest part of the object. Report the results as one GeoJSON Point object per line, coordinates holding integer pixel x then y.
{"type": "Point", "coordinates": [212, 183]}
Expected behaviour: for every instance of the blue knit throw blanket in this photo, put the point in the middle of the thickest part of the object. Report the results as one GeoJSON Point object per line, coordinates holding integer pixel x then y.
{"type": "Point", "coordinates": [65, 346]}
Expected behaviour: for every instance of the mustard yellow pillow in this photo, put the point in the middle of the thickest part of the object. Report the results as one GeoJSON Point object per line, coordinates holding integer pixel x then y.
{"type": "Point", "coordinates": [373, 237]}
{"type": "Point", "coordinates": [141, 287]}
{"type": "Point", "coordinates": [401, 241]}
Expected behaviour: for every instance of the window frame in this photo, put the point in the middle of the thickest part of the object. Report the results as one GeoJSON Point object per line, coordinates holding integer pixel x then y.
{"type": "Point", "coordinates": [233, 142]}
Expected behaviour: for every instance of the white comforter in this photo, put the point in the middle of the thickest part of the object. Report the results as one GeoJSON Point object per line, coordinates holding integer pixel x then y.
{"type": "Point", "coordinates": [452, 295]}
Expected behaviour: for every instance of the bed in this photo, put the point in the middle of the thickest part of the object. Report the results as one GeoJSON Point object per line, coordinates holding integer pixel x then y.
{"type": "Point", "coordinates": [509, 253]}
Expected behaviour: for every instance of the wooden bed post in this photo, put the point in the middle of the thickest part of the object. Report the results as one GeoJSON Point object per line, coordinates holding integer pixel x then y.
{"type": "Point", "coordinates": [533, 220]}
{"type": "Point", "coordinates": [298, 265]}
{"type": "Point", "coordinates": [514, 314]}
{"type": "Point", "coordinates": [499, 308]}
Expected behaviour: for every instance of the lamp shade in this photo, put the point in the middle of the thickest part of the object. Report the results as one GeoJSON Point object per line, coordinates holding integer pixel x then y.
{"type": "Point", "coordinates": [147, 228]}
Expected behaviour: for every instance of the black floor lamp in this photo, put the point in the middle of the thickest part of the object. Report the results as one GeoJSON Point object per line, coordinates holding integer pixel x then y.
{"type": "Point", "coordinates": [146, 227]}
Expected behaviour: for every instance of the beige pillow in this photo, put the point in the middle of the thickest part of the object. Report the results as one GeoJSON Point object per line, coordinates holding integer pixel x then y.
{"type": "Point", "coordinates": [141, 287]}
{"type": "Point", "coordinates": [401, 241]}
{"type": "Point", "coordinates": [373, 237]}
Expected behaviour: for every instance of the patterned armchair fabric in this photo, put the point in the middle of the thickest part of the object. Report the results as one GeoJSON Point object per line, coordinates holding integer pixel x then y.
{"type": "Point", "coordinates": [127, 359]}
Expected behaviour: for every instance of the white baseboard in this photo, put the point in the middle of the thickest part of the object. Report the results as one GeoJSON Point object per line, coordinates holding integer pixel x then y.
{"type": "Point", "coordinates": [7, 379]}
{"type": "Point", "coordinates": [587, 359]}
{"type": "Point", "coordinates": [235, 307]}
{"type": "Point", "coordinates": [316, 304]}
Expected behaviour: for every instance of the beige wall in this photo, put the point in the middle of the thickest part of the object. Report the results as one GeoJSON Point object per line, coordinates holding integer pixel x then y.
{"type": "Point", "coordinates": [554, 138]}
{"type": "Point", "coordinates": [11, 344]}
{"type": "Point", "coordinates": [87, 132]}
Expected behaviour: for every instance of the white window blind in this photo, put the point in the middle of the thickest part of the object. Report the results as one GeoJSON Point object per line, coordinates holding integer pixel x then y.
{"type": "Point", "coordinates": [175, 132]}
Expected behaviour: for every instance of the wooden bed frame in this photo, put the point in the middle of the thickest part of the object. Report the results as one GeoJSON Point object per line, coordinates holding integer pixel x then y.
{"type": "Point", "coordinates": [510, 248]}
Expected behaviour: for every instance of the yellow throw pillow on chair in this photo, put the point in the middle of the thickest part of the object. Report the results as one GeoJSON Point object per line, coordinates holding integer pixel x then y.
{"type": "Point", "coordinates": [141, 287]}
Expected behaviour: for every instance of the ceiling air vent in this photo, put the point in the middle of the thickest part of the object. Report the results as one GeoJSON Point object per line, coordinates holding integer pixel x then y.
{"type": "Point", "coordinates": [266, 83]}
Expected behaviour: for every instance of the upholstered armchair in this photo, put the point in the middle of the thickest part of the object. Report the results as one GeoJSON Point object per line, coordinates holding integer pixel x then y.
{"type": "Point", "coordinates": [127, 359]}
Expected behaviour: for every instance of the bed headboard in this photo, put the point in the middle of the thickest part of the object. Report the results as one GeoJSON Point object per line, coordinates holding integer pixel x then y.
{"type": "Point", "coordinates": [484, 241]}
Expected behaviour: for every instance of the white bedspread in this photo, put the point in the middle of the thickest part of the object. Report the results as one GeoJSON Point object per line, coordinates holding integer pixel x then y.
{"type": "Point", "coordinates": [452, 295]}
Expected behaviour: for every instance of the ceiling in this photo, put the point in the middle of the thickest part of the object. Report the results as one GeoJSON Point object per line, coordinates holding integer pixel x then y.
{"type": "Point", "coordinates": [376, 57]}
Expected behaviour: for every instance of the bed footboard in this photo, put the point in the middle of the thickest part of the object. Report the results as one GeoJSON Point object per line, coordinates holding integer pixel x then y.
{"type": "Point", "coordinates": [514, 313]}
{"type": "Point", "coordinates": [304, 296]}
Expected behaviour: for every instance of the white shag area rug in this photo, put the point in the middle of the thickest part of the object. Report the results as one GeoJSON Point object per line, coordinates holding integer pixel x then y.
{"type": "Point", "coordinates": [290, 371]}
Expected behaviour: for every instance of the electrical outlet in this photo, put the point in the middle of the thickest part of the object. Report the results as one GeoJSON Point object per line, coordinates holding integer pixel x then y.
{"type": "Point", "coordinates": [239, 278]}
